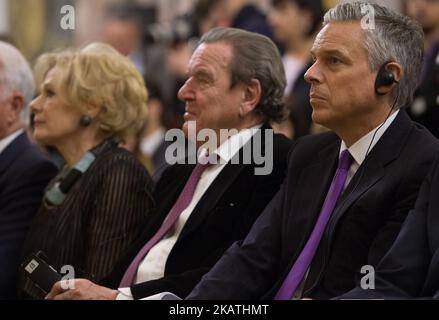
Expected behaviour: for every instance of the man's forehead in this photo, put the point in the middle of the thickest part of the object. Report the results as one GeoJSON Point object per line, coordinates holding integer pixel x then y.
{"type": "Point", "coordinates": [345, 37]}
{"type": "Point", "coordinates": [211, 55]}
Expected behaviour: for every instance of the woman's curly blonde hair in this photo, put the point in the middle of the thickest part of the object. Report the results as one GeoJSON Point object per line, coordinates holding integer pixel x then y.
{"type": "Point", "coordinates": [98, 74]}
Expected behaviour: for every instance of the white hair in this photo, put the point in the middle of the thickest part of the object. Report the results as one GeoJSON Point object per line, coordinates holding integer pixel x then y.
{"type": "Point", "coordinates": [16, 76]}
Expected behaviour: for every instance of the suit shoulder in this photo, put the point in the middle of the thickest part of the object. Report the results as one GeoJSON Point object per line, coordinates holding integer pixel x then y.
{"type": "Point", "coordinates": [281, 143]}
{"type": "Point", "coordinates": [421, 135]}
{"type": "Point", "coordinates": [32, 157]}
{"type": "Point", "coordinates": [315, 143]}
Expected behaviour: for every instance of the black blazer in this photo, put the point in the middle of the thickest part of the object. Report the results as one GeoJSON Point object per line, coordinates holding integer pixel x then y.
{"type": "Point", "coordinates": [224, 214]}
{"type": "Point", "coordinates": [24, 173]}
{"type": "Point", "coordinates": [362, 228]}
{"type": "Point", "coordinates": [411, 268]}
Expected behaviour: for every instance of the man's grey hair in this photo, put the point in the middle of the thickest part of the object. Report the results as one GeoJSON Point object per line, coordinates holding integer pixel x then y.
{"type": "Point", "coordinates": [394, 37]}
{"type": "Point", "coordinates": [255, 57]}
{"type": "Point", "coordinates": [16, 76]}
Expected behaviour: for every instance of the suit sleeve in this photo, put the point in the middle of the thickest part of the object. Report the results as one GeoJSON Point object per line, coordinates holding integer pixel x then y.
{"type": "Point", "coordinates": [246, 270]}
{"type": "Point", "coordinates": [121, 207]}
{"type": "Point", "coordinates": [19, 202]}
{"type": "Point", "coordinates": [403, 202]}
{"type": "Point", "coordinates": [401, 273]}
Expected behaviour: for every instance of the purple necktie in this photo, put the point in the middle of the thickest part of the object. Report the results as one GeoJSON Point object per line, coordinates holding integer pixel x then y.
{"type": "Point", "coordinates": [182, 202]}
{"type": "Point", "coordinates": [303, 262]}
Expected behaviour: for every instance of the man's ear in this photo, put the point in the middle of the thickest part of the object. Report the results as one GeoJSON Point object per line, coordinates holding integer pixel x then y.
{"type": "Point", "coordinates": [397, 71]}
{"type": "Point", "coordinates": [16, 107]}
{"type": "Point", "coordinates": [251, 97]}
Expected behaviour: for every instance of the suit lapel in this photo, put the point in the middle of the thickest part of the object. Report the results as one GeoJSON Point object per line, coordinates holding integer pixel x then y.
{"type": "Point", "coordinates": [172, 184]}
{"type": "Point", "coordinates": [217, 189]}
{"type": "Point", "coordinates": [311, 189]}
{"type": "Point", "coordinates": [373, 168]}
{"type": "Point", "coordinates": [211, 197]}
{"type": "Point", "coordinates": [315, 180]}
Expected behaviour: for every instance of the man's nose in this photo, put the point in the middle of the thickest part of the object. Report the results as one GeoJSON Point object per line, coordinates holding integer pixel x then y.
{"type": "Point", "coordinates": [313, 74]}
{"type": "Point", "coordinates": [186, 92]}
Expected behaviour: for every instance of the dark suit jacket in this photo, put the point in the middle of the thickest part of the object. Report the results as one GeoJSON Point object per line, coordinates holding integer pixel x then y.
{"type": "Point", "coordinates": [411, 268]}
{"type": "Point", "coordinates": [362, 227]}
{"type": "Point", "coordinates": [224, 214]}
{"type": "Point", "coordinates": [24, 173]}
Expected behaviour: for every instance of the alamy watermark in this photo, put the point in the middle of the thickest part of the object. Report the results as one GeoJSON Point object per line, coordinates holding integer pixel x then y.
{"type": "Point", "coordinates": [368, 280]}
{"type": "Point", "coordinates": [68, 280]}
{"type": "Point", "coordinates": [257, 150]}
{"type": "Point", "coordinates": [68, 21]}
{"type": "Point", "coordinates": [368, 20]}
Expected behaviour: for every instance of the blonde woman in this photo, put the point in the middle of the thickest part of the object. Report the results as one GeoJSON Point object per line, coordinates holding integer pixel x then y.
{"type": "Point", "coordinates": [94, 209]}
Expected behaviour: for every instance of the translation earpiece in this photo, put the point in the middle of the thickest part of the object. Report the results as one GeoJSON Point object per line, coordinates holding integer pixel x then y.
{"type": "Point", "coordinates": [384, 78]}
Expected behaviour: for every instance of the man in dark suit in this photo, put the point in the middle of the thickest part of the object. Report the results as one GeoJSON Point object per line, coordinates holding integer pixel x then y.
{"type": "Point", "coordinates": [24, 171]}
{"type": "Point", "coordinates": [326, 224]}
{"type": "Point", "coordinates": [411, 267]}
{"type": "Point", "coordinates": [225, 90]}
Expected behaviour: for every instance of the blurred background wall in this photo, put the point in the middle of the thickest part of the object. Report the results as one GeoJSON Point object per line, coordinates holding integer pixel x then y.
{"type": "Point", "coordinates": [34, 25]}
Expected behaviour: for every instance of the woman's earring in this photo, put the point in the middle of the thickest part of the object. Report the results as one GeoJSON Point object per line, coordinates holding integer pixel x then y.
{"type": "Point", "coordinates": [85, 121]}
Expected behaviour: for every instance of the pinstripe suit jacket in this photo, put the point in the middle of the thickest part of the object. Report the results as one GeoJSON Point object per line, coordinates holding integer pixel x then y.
{"type": "Point", "coordinates": [99, 219]}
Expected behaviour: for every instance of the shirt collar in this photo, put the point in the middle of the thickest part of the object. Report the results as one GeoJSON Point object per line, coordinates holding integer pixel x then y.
{"type": "Point", "coordinates": [227, 150]}
{"type": "Point", "coordinates": [359, 149]}
{"type": "Point", "coordinates": [4, 143]}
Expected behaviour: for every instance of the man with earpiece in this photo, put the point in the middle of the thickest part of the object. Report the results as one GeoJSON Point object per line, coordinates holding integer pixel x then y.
{"type": "Point", "coordinates": [347, 192]}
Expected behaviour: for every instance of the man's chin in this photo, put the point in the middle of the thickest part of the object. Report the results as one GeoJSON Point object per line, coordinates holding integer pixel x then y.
{"type": "Point", "coordinates": [320, 118]}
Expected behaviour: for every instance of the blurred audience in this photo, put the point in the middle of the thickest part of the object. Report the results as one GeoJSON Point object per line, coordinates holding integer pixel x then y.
{"type": "Point", "coordinates": [209, 14]}
{"type": "Point", "coordinates": [123, 32]}
{"type": "Point", "coordinates": [24, 170]}
{"type": "Point", "coordinates": [243, 14]}
{"type": "Point", "coordinates": [153, 144]}
{"type": "Point", "coordinates": [90, 101]}
{"type": "Point", "coordinates": [425, 108]}
{"type": "Point", "coordinates": [125, 28]}
{"type": "Point", "coordinates": [295, 24]}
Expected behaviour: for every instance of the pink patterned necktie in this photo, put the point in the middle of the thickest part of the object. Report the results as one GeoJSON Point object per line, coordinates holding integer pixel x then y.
{"type": "Point", "coordinates": [180, 205]}
{"type": "Point", "coordinates": [297, 272]}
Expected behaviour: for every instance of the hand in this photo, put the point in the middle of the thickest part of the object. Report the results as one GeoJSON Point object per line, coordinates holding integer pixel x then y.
{"type": "Point", "coordinates": [83, 290]}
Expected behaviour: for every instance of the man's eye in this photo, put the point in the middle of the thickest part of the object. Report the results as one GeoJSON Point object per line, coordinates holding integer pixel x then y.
{"type": "Point", "coordinates": [203, 79]}
{"type": "Point", "coordinates": [334, 61]}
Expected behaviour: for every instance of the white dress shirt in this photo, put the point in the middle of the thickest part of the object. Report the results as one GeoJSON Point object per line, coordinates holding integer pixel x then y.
{"type": "Point", "coordinates": [153, 265]}
{"type": "Point", "coordinates": [5, 142]}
